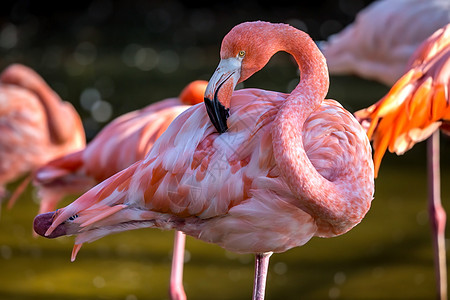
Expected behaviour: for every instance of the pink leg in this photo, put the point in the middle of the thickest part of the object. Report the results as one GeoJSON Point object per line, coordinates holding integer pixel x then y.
{"type": "Point", "coordinates": [261, 268]}
{"type": "Point", "coordinates": [437, 214]}
{"type": "Point", "coordinates": [176, 290]}
{"type": "Point", "coordinates": [3, 194]}
{"type": "Point", "coordinates": [19, 190]}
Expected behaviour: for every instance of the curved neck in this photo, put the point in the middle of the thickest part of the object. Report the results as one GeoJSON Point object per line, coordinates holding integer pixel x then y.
{"type": "Point", "coordinates": [322, 199]}
{"type": "Point", "coordinates": [60, 123]}
{"type": "Point", "coordinates": [314, 82]}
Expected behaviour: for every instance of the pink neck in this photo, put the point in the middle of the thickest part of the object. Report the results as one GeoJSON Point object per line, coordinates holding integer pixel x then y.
{"type": "Point", "coordinates": [322, 199]}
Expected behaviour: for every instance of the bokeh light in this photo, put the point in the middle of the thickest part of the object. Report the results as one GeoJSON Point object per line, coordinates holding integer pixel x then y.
{"type": "Point", "coordinates": [101, 111]}
{"type": "Point", "coordinates": [8, 36]}
{"type": "Point", "coordinates": [89, 97]}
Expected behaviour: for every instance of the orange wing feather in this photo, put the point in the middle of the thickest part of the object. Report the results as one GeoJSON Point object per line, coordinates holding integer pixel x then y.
{"type": "Point", "coordinates": [416, 105]}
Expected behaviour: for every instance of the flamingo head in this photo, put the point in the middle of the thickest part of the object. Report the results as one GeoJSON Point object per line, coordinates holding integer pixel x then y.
{"type": "Point", "coordinates": [193, 93]}
{"type": "Point", "coordinates": [245, 50]}
{"type": "Point", "coordinates": [88, 223]}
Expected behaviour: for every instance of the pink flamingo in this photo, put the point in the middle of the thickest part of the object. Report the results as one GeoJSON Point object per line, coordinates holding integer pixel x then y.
{"type": "Point", "coordinates": [35, 124]}
{"type": "Point", "coordinates": [121, 143]}
{"type": "Point", "coordinates": [383, 37]}
{"type": "Point", "coordinates": [413, 110]}
{"type": "Point", "coordinates": [282, 168]}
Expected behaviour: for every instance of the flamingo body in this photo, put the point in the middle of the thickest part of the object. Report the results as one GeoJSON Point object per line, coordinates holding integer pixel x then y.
{"type": "Point", "coordinates": [282, 168]}
{"type": "Point", "coordinates": [29, 137]}
{"type": "Point", "coordinates": [383, 37]}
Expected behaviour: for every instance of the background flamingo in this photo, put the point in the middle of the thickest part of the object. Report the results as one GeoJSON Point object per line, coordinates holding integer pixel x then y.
{"type": "Point", "coordinates": [121, 143]}
{"type": "Point", "coordinates": [383, 37]}
{"type": "Point", "coordinates": [258, 187]}
{"type": "Point", "coordinates": [35, 124]}
{"type": "Point", "coordinates": [413, 110]}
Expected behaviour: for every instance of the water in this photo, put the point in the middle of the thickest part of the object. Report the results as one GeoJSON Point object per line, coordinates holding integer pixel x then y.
{"type": "Point", "coordinates": [387, 256]}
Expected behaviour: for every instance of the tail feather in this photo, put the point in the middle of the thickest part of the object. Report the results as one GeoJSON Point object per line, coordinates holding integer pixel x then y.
{"type": "Point", "coordinates": [111, 192]}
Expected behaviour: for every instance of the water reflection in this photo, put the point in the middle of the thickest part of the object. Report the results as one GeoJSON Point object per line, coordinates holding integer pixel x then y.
{"type": "Point", "coordinates": [280, 268]}
{"type": "Point", "coordinates": [187, 256]}
{"type": "Point", "coordinates": [5, 252]}
{"type": "Point", "coordinates": [422, 217]}
{"type": "Point", "coordinates": [334, 293]}
{"type": "Point", "coordinates": [99, 282]}
{"type": "Point", "coordinates": [234, 275]}
{"type": "Point", "coordinates": [340, 278]}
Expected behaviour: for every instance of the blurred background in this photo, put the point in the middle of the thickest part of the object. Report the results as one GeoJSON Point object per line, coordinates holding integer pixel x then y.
{"type": "Point", "coordinates": [110, 57]}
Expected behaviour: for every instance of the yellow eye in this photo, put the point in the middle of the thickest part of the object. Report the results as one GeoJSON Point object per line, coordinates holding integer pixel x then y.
{"type": "Point", "coordinates": [241, 53]}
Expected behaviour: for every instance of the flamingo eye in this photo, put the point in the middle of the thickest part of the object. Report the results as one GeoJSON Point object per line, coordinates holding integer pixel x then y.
{"type": "Point", "coordinates": [241, 54]}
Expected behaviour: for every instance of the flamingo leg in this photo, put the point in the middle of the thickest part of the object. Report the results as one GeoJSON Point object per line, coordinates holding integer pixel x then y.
{"type": "Point", "coordinates": [3, 194]}
{"type": "Point", "coordinates": [19, 190]}
{"type": "Point", "coordinates": [437, 214]}
{"type": "Point", "coordinates": [261, 268]}
{"type": "Point", "coordinates": [176, 290]}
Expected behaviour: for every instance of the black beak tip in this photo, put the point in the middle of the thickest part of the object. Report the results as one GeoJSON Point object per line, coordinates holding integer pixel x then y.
{"type": "Point", "coordinates": [218, 114]}
{"type": "Point", "coordinates": [43, 221]}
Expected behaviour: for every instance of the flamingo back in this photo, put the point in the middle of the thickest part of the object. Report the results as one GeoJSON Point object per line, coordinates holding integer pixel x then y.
{"type": "Point", "coordinates": [383, 37]}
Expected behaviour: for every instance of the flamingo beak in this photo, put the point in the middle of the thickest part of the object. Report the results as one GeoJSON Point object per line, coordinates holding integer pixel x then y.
{"type": "Point", "coordinates": [42, 222]}
{"type": "Point", "coordinates": [219, 89]}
